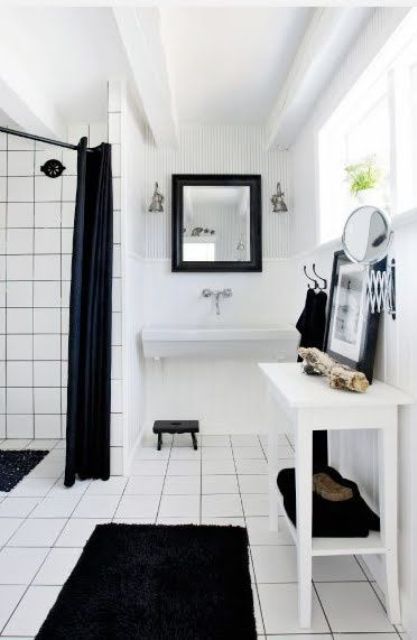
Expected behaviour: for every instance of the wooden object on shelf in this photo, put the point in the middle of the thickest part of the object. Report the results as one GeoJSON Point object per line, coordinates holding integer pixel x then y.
{"type": "Point", "coordinates": [339, 375]}
{"type": "Point", "coordinates": [329, 489]}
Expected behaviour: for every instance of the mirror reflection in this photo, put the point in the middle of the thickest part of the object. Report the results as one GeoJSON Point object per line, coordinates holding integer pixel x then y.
{"type": "Point", "coordinates": [216, 223]}
{"type": "Point", "coordinates": [367, 235]}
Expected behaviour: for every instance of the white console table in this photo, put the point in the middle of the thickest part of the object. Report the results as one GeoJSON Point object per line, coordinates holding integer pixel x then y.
{"type": "Point", "coordinates": [311, 405]}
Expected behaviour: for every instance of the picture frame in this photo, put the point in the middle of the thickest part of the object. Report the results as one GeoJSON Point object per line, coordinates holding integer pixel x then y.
{"type": "Point", "coordinates": [351, 329]}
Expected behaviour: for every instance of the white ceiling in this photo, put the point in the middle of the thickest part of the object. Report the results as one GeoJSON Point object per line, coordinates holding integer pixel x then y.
{"type": "Point", "coordinates": [227, 65]}
{"type": "Point", "coordinates": [70, 53]}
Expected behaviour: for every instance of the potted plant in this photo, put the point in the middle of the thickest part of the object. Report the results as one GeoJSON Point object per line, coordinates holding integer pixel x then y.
{"type": "Point", "coordinates": [364, 177]}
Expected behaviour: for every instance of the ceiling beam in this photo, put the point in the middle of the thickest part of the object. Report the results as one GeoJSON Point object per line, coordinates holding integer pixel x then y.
{"type": "Point", "coordinates": [326, 41]}
{"type": "Point", "coordinates": [140, 31]}
{"type": "Point", "coordinates": [22, 101]}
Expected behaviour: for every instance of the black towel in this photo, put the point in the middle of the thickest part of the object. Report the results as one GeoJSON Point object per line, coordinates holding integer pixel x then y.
{"type": "Point", "coordinates": [312, 322]}
{"type": "Point", "coordinates": [311, 325]}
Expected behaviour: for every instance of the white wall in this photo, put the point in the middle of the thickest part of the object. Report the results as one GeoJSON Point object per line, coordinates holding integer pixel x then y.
{"type": "Point", "coordinates": [357, 454]}
{"type": "Point", "coordinates": [224, 395]}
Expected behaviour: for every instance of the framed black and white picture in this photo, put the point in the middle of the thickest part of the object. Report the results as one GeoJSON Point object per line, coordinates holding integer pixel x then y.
{"type": "Point", "coordinates": [352, 330]}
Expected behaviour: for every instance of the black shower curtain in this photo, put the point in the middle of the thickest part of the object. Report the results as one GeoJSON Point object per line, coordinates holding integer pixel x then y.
{"type": "Point", "coordinates": [89, 349]}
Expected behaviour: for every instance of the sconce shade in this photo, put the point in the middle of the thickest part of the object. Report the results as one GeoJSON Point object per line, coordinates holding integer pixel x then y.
{"type": "Point", "coordinates": [156, 205]}
{"type": "Point", "coordinates": [278, 203]}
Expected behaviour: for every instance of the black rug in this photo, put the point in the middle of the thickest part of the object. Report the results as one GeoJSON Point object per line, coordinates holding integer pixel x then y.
{"type": "Point", "coordinates": [153, 582]}
{"type": "Point", "coordinates": [15, 465]}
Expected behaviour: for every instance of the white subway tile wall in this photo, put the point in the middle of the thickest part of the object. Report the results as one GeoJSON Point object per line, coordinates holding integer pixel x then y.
{"type": "Point", "coordinates": [36, 227]}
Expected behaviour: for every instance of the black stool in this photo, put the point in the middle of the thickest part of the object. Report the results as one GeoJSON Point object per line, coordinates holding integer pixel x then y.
{"type": "Point", "coordinates": [176, 426]}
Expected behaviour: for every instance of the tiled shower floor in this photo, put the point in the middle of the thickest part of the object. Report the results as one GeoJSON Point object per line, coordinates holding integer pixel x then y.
{"type": "Point", "coordinates": [43, 528]}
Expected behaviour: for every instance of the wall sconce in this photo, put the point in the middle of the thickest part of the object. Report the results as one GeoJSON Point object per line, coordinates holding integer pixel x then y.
{"type": "Point", "coordinates": [278, 204]}
{"type": "Point", "coordinates": [156, 205]}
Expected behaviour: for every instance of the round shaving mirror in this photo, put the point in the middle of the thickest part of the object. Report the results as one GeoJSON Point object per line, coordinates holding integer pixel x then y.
{"type": "Point", "coordinates": [367, 235]}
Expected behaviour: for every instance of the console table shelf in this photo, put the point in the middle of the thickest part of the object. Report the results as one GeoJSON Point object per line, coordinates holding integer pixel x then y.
{"type": "Point", "coordinates": [310, 404]}
{"type": "Point", "coordinates": [337, 546]}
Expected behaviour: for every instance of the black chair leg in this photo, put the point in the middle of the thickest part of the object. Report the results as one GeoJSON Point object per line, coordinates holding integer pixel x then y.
{"type": "Point", "coordinates": [194, 441]}
{"type": "Point", "coordinates": [159, 441]}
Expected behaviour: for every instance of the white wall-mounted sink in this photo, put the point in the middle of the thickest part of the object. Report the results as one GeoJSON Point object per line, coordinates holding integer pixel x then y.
{"type": "Point", "coordinates": [276, 342]}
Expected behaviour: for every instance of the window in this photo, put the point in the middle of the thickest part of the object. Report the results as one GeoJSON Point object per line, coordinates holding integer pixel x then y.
{"type": "Point", "coordinates": [373, 131]}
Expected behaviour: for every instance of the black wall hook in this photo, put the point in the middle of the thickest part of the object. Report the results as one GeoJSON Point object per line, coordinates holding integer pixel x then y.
{"type": "Point", "coordinates": [320, 278]}
{"type": "Point", "coordinates": [311, 279]}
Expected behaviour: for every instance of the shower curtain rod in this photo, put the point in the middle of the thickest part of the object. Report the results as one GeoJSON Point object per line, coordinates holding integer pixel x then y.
{"type": "Point", "coordinates": [31, 136]}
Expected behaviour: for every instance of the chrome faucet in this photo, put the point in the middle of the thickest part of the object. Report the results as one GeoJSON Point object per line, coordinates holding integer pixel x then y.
{"type": "Point", "coordinates": [216, 294]}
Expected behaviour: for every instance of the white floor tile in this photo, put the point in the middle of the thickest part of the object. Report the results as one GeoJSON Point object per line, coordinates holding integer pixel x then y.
{"type": "Point", "coordinates": [37, 487]}
{"type": "Point", "coordinates": [9, 598]}
{"type": "Point", "coordinates": [352, 607]}
{"type": "Point", "coordinates": [184, 440]}
{"type": "Point", "coordinates": [252, 467]}
{"type": "Point", "coordinates": [57, 567]}
{"type": "Point", "coordinates": [77, 489]}
{"type": "Point", "coordinates": [274, 563]}
{"type": "Point", "coordinates": [253, 484]}
{"type": "Point", "coordinates": [32, 611]}
{"type": "Point", "coordinates": [112, 486]}
{"type": "Point", "coordinates": [218, 467]}
{"type": "Point", "coordinates": [148, 467]}
{"type": "Point", "coordinates": [175, 521]}
{"type": "Point", "coordinates": [134, 521]}
{"type": "Point", "coordinates": [365, 636]}
{"type": "Point", "coordinates": [260, 534]}
{"type": "Point", "coordinates": [217, 453]}
{"type": "Point", "coordinates": [179, 506]}
{"type": "Point", "coordinates": [16, 444]}
{"type": "Point", "coordinates": [96, 507]}
{"type": "Point", "coordinates": [216, 441]}
{"type": "Point", "coordinates": [37, 532]}
{"type": "Point", "coordinates": [185, 453]}
{"type": "Point", "coordinates": [245, 440]}
{"type": "Point", "coordinates": [182, 485]}
{"type": "Point", "coordinates": [257, 610]}
{"type": "Point", "coordinates": [255, 504]}
{"type": "Point", "coordinates": [285, 452]}
{"type": "Point", "coordinates": [152, 453]}
{"type": "Point", "coordinates": [17, 507]}
{"type": "Point", "coordinates": [223, 522]}
{"type": "Point", "coordinates": [55, 507]}
{"type": "Point", "coordinates": [219, 484]}
{"type": "Point", "coordinates": [138, 506]}
{"type": "Point", "coordinates": [47, 470]}
{"type": "Point", "coordinates": [144, 485]}
{"type": "Point", "coordinates": [7, 528]}
{"type": "Point", "coordinates": [77, 531]}
{"type": "Point", "coordinates": [279, 604]}
{"type": "Point", "coordinates": [337, 569]}
{"type": "Point", "coordinates": [184, 468]}
{"type": "Point", "coordinates": [42, 443]}
{"type": "Point", "coordinates": [312, 636]}
{"type": "Point", "coordinates": [217, 506]}
{"type": "Point", "coordinates": [18, 566]}
{"type": "Point", "coordinates": [248, 453]}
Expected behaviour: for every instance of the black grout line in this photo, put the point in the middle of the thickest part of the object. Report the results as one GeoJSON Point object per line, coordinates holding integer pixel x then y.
{"type": "Point", "coordinates": [164, 480]}
{"type": "Point", "coordinates": [322, 607]}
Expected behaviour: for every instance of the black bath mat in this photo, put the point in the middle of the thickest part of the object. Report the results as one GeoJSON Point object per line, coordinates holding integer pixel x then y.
{"type": "Point", "coordinates": [152, 582]}
{"type": "Point", "coordinates": [15, 465]}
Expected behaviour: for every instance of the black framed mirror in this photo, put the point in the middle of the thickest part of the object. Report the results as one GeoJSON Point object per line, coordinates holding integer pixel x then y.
{"type": "Point", "coordinates": [216, 223]}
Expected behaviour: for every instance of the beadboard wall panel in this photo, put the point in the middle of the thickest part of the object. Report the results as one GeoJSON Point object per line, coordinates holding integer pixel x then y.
{"type": "Point", "coordinates": [215, 149]}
